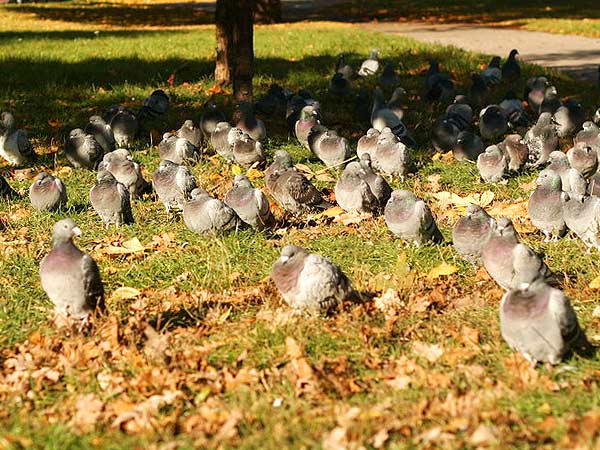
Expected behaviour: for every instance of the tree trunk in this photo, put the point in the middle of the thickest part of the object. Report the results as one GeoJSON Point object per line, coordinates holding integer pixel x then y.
{"type": "Point", "coordinates": [224, 26]}
{"type": "Point", "coordinates": [267, 11]}
{"type": "Point", "coordinates": [243, 54]}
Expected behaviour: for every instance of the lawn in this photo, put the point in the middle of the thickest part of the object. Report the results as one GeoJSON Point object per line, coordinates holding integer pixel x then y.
{"type": "Point", "coordinates": [200, 350]}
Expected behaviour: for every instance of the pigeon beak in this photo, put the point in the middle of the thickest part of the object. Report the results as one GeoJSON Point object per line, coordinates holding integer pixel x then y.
{"type": "Point", "coordinates": [76, 231]}
{"type": "Point", "coordinates": [283, 258]}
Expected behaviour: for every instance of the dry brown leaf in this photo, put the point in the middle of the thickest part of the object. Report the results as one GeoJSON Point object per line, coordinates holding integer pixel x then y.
{"type": "Point", "coordinates": [332, 212]}
{"type": "Point", "coordinates": [483, 435]}
{"type": "Point", "coordinates": [431, 352]}
{"type": "Point", "coordinates": [130, 247]}
{"type": "Point", "coordinates": [124, 293]}
{"type": "Point", "coordinates": [450, 198]}
{"type": "Point", "coordinates": [88, 409]}
{"type": "Point", "coordinates": [389, 302]}
{"type": "Point", "coordinates": [354, 217]}
{"type": "Point", "coordinates": [400, 382]}
{"type": "Point", "coordinates": [325, 177]}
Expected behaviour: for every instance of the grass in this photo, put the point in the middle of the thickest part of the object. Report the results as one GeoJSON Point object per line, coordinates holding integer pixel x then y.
{"type": "Point", "coordinates": [229, 366]}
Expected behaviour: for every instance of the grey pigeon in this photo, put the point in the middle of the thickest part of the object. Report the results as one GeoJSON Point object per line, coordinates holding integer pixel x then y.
{"type": "Point", "coordinates": [582, 216]}
{"type": "Point", "coordinates": [309, 117]}
{"type": "Point", "coordinates": [353, 193]}
{"type": "Point", "coordinates": [128, 172]}
{"type": "Point", "coordinates": [493, 122]}
{"type": "Point", "coordinates": [6, 192]}
{"type": "Point", "coordinates": [460, 112]}
{"type": "Point", "coordinates": [559, 163]}
{"type": "Point", "coordinates": [15, 147]}
{"type": "Point", "coordinates": [309, 282]}
{"type": "Point", "coordinates": [173, 184]}
{"type": "Point", "coordinates": [110, 199]}
{"type": "Point", "coordinates": [124, 126]}
{"type": "Point", "coordinates": [535, 89]}
{"type": "Point", "coordinates": [383, 117]}
{"type": "Point", "coordinates": [210, 118]}
{"type": "Point", "coordinates": [245, 120]}
{"type": "Point", "coordinates": [589, 135]}
{"type": "Point", "coordinates": [190, 132]}
{"type": "Point", "coordinates": [247, 152]}
{"type": "Point", "coordinates": [551, 101]}
{"type": "Point", "coordinates": [362, 107]}
{"type": "Point", "coordinates": [444, 134]}
{"type": "Point", "coordinates": [583, 158]}
{"type": "Point", "coordinates": [440, 86]}
{"type": "Point", "coordinates": [539, 322]}
{"type": "Point", "coordinates": [541, 140]}
{"type": "Point", "coordinates": [82, 150]}
{"type": "Point", "coordinates": [569, 118]}
{"type": "Point", "coordinates": [471, 233]}
{"type": "Point", "coordinates": [155, 105]}
{"type": "Point", "coordinates": [345, 69]}
{"type": "Point", "coordinates": [338, 85]}
{"type": "Point", "coordinates": [47, 193]}
{"type": "Point", "coordinates": [281, 161]}
{"type": "Point", "coordinates": [177, 149]}
{"type": "Point", "coordinates": [410, 219]}
{"type": "Point", "coordinates": [274, 102]}
{"type": "Point", "coordinates": [389, 77]}
{"type": "Point", "coordinates": [368, 142]}
{"type": "Point", "coordinates": [492, 164]}
{"type": "Point", "coordinates": [391, 156]}
{"type": "Point", "coordinates": [527, 267]}
{"type": "Point", "coordinates": [479, 90]}
{"type": "Point", "coordinates": [70, 277]}
{"type": "Point", "coordinates": [515, 111]}
{"type": "Point", "coordinates": [332, 149]}
{"type": "Point", "coordinates": [511, 70]}
{"type": "Point", "coordinates": [396, 102]}
{"type": "Point", "coordinates": [496, 254]}
{"type": "Point", "coordinates": [516, 151]}
{"type": "Point", "coordinates": [379, 187]}
{"type": "Point", "coordinates": [102, 132]}
{"type": "Point", "coordinates": [596, 117]}
{"type": "Point", "coordinates": [295, 104]}
{"type": "Point", "coordinates": [249, 203]}
{"type": "Point", "coordinates": [316, 134]}
{"type": "Point", "coordinates": [545, 205]}
{"type": "Point", "coordinates": [219, 139]}
{"type": "Point", "coordinates": [492, 74]}
{"type": "Point", "coordinates": [205, 214]}
{"type": "Point", "coordinates": [468, 146]}
{"type": "Point", "coordinates": [369, 66]}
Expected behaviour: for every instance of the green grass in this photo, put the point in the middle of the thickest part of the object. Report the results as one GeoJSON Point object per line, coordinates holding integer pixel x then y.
{"type": "Point", "coordinates": [210, 298]}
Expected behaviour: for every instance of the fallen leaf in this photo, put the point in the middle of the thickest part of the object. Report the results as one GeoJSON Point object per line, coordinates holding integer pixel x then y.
{"type": "Point", "coordinates": [332, 212]}
{"type": "Point", "coordinates": [431, 352]}
{"type": "Point", "coordinates": [443, 269]}
{"type": "Point", "coordinates": [236, 170]}
{"type": "Point", "coordinates": [325, 177]}
{"type": "Point", "coordinates": [124, 293]}
{"type": "Point", "coordinates": [132, 246]}
{"type": "Point", "coordinates": [254, 174]}
{"type": "Point", "coordinates": [483, 435]}
{"type": "Point", "coordinates": [595, 283]}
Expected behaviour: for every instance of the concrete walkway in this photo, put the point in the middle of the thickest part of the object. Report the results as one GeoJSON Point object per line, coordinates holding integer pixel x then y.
{"type": "Point", "coordinates": [577, 55]}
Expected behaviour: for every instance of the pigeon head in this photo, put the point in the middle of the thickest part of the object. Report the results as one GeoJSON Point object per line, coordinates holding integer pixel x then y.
{"type": "Point", "coordinates": [504, 227]}
{"type": "Point", "coordinates": [558, 159]}
{"type": "Point", "coordinates": [42, 178]}
{"type": "Point", "coordinates": [289, 252]}
{"type": "Point", "coordinates": [165, 164]}
{"type": "Point", "coordinates": [403, 196]}
{"type": "Point", "coordinates": [371, 132]}
{"type": "Point", "coordinates": [7, 121]}
{"type": "Point", "coordinates": [188, 124]}
{"type": "Point", "coordinates": [198, 193]}
{"type": "Point", "coordinates": [513, 53]}
{"type": "Point", "coordinates": [222, 126]}
{"type": "Point", "coordinates": [241, 180]}
{"type": "Point", "coordinates": [365, 160]}
{"type": "Point", "coordinates": [353, 169]}
{"type": "Point", "coordinates": [283, 158]}
{"type": "Point", "coordinates": [104, 176]}
{"type": "Point", "coordinates": [495, 62]}
{"type": "Point", "coordinates": [549, 178]}
{"type": "Point", "coordinates": [474, 210]}
{"type": "Point", "coordinates": [64, 230]}
{"type": "Point", "coordinates": [545, 119]}
{"type": "Point", "coordinates": [308, 112]}
{"type": "Point", "coordinates": [374, 53]}
{"type": "Point", "coordinates": [167, 135]}
{"type": "Point", "coordinates": [597, 116]}
{"type": "Point", "coordinates": [76, 133]}
{"type": "Point", "coordinates": [121, 153]}
{"type": "Point", "coordinates": [97, 120]}
{"type": "Point", "coordinates": [550, 92]}
{"type": "Point", "coordinates": [461, 99]}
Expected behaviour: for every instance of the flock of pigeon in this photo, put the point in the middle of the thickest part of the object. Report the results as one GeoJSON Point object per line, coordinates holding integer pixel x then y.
{"type": "Point", "coordinates": [536, 318]}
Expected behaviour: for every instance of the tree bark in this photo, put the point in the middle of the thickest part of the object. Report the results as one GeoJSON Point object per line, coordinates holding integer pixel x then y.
{"type": "Point", "coordinates": [224, 26]}
{"type": "Point", "coordinates": [243, 50]}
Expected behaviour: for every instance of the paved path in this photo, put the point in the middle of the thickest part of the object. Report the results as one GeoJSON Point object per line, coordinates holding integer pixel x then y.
{"type": "Point", "coordinates": [577, 55]}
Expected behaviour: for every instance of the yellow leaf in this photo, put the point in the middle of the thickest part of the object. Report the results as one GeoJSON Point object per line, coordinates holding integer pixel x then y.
{"type": "Point", "coordinates": [304, 168]}
{"type": "Point", "coordinates": [326, 177]}
{"type": "Point", "coordinates": [332, 212]}
{"type": "Point", "coordinates": [125, 293]}
{"type": "Point", "coordinates": [236, 170]}
{"type": "Point", "coordinates": [441, 270]}
{"type": "Point", "coordinates": [595, 283]}
{"type": "Point", "coordinates": [436, 157]}
{"type": "Point", "coordinates": [128, 247]}
{"type": "Point", "coordinates": [253, 174]}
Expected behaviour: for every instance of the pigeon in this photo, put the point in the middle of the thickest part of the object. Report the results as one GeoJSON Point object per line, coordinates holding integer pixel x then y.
{"type": "Point", "coordinates": [584, 159]}
{"type": "Point", "coordinates": [191, 132]}
{"type": "Point", "coordinates": [110, 199]}
{"type": "Point", "coordinates": [273, 102]}
{"type": "Point", "coordinates": [596, 117]}
{"type": "Point", "coordinates": [177, 149]}
{"type": "Point", "coordinates": [210, 119]}
{"type": "Point", "coordinates": [15, 147]}
{"type": "Point", "coordinates": [126, 171]}
{"type": "Point", "coordinates": [379, 187]}
{"type": "Point", "coordinates": [535, 89]}
{"type": "Point", "coordinates": [479, 90]}
{"type": "Point", "coordinates": [332, 149]}
{"type": "Point", "coordinates": [368, 142]}
{"type": "Point", "coordinates": [541, 140]}
{"type": "Point", "coordinates": [157, 104]}
{"type": "Point", "coordinates": [338, 85]}
{"type": "Point", "coordinates": [309, 282]}
{"type": "Point", "coordinates": [369, 66]}
{"type": "Point", "coordinates": [515, 151]}
{"type": "Point", "coordinates": [410, 219]}
{"type": "Point", "coordinates": [173, 184]}
{"type": "Point", "coordinates": [249, 203]}
{"type": "Point", "coordinates": [492, 164]}
{"type": "Point", "coordinates": [341, 67]}
{"type": "Point", "coordinates": [389, 77]}
{"type": "Point", "coordinates": [309, 117]}
{"type": "Point", "coordinates": [82, 150]}
{"type": "Point", "coordinates": [124, 126]}
{"type": "Point", "coordinates": [569, 118]}
{"type": "Point", "coordinates": [589, 135]}
{"type": "Point", "coordinates": [383, 117]}
{"type": "Point", "coordinates": [205, 214]}
{"type": "Point", "coordinates": [391, 156]}
{"type": "Point", "coordinates": [551, 101]}
{"type": "Point", "coordinates": [353, 193]}
{"type": "Point", "coordinates": [471, 233]}
{"type": "Point", "coordinates": [439, 85]}
{"type": "Point", "coordinates": [593, 187]}
{"type": "Point", "coordinates": [545, 205]}
{"type": "Point", "coordinates": [460, 113]}
{"type": "Point", "coordinates": [511, 70]}
{"type": "Point", "coordinates": [444, 134]}
{"type": "Point", "coordinates": [582, 216]}
{"type": "Point", "coordinates": [492, 74]}
{"type": "Point", "coordinates": [290, 188]}
{"type": "Point", "coordinates": [220, 142]}
{"type": "Point", "coordinates": [245, 120]}
{"type": "Point", "coordinates": [70, 277]}
{"type": "Point", "coordinates": [6, 192]}
{"type": "Point", "coordinates": [295, 105]}
{"type": "Point", "coordinates": [316, 134]}
{"type": "Point", "coordinates": [396, 102]}
{"type": "Point", "coordinates": [539, 322]}
{"type": "Point", "coordinates": [468, 146]}
{"type": "Point", "coordinates": [247, 152]}
{"type": "Point", "coordinates": [559, 163]}
{"type": "Point", "coordinates": [102, 132]}
{"type": "Point", "coordinates": [493, 122]}
{"type": "Point", "coordinates": [47, 193]}
{"type": "Point", "coordinates": [362, 107]}
{"type": "Point", "coordinates": [515, 111]}
{"type": "Point", "coordinates": [496, 254]}
{"type": "Point", "coordinates": [527, 267]}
